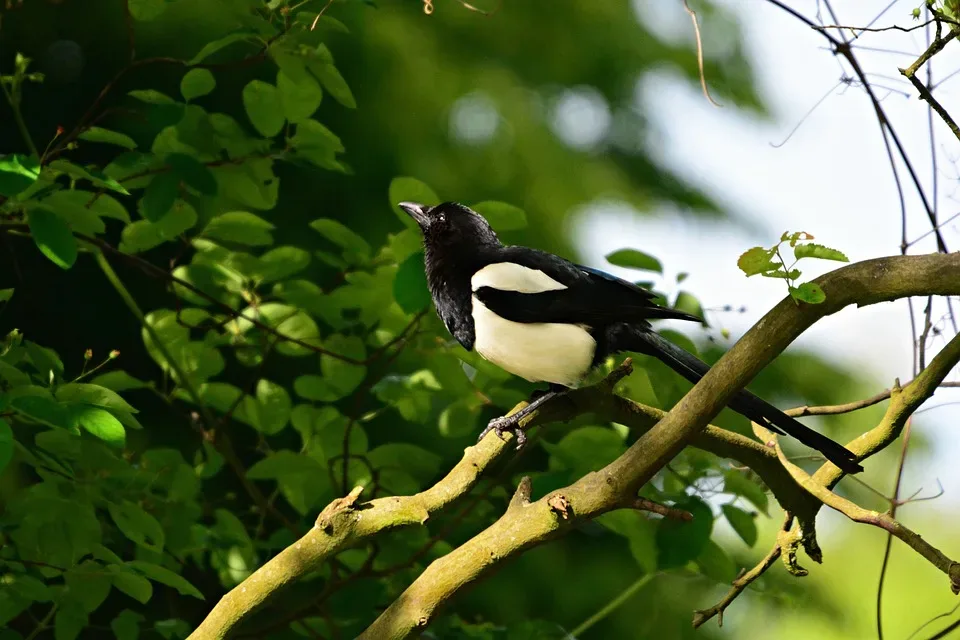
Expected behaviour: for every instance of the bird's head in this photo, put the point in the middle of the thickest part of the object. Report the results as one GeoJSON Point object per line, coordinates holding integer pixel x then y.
{"type": "Point", "coordinates": [450, 224]}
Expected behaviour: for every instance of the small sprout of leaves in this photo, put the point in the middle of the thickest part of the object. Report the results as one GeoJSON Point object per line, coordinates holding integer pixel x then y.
{"type": "Point", "coordinates": [770, 263]}
{"type": "Point", "coordinates": [114, 354]}
{"type": "Point", "coordinates": [88, 354]}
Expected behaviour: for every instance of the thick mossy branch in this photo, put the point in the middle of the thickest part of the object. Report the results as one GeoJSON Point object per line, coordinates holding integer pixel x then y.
{"type": "Point", "coordinates": [526, 524]}
{"type": "Point", "coordinates": [863, 283]}
{"type": "Point", "coordinates": [818, 487]}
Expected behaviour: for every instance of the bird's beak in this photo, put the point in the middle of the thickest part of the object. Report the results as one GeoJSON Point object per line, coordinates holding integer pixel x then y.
{"type": "Point", "coordinates": [417, 212]}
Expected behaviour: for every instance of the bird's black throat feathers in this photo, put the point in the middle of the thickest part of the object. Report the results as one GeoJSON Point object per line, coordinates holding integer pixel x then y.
{"type": "Point", "coordinates": [456, 244]}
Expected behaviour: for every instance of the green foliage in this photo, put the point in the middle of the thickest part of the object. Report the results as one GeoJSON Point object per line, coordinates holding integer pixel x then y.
{"type": "Point", "coordinates": [294, 353]}
{"type": "Point", "coordinates": [634, 259]}
{"type": "Point", "coordinates": [770, 263]}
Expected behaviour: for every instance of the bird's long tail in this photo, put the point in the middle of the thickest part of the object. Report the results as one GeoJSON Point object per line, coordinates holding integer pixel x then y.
{"type": "Point", "coordinates": [632, 338]}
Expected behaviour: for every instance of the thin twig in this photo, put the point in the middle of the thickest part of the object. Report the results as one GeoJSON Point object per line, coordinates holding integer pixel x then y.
{"type": "Point", "coordinates": [696, 31]}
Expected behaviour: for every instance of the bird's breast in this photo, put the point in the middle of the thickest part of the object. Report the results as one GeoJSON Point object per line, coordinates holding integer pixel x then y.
{"type": "Point", "coordinates": [539, 352]}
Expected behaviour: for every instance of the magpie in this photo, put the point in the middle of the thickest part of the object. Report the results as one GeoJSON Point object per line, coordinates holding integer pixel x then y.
{"type": "Point", "coordinates": [546, 319]}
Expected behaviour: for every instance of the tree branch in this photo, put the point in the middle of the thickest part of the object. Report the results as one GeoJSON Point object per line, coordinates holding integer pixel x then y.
{"type": "Point", "coordinates": [904, 403]}
{"type": "Point", "coordinates": [527, 524]}
{"type": "Point", "coordinates": [863, 283]}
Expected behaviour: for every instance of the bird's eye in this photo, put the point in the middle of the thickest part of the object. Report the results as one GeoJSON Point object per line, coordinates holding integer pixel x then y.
{"type": "Point", "coordinates": [442, 218]}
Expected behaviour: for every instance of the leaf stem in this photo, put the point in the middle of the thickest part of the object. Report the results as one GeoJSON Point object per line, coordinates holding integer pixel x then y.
{"type": "Point", "coordinates": [13, 99]}
{"type": "Point", "coordinates": [611, 606]}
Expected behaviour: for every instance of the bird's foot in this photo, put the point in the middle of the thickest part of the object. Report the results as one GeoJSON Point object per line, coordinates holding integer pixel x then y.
{"type": "Point", "coordinates": [506, 424]}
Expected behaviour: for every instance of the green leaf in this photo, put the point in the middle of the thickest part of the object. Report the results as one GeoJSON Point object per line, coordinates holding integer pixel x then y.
{"type": "Point", "coordinates": [69, 621]}
{"type": "Point", "coordinates": [586, 449]}
{"type": "Point", "coordinates": [52, 236]}
{"type": "Point", "coordinates": [126, 626]}
{"type": "Point", "coordinates": [419, 463]}
{"type": "Point", "coordinates": [336, 232]}
{"type": "Point", "coordinates": [281, 463]}
{"type": "Point", "coordinates": [240, 227]}
{"type": "Point", "coordinates": [137, 525]}
{"type": "Point", "coordinates": [264, 109]}
{"type": "Point", "coordinates": [160, 196]}
{"type": "Point", "coordinates": [328, 75]}
{"type": "Point", "coordinates": [343, 376]}
{"type": "Point", "coordinates": [77, 203]}
{"type": "Point", "coordinates": [143, 234]}
{"type": "Point", "coordinates": [457, 419]}
{"type": "Point", "coordinates": [252, 184]}
{"type": "Point", "coordinates": [679, 541]}
{"type": "Point", "coordinates": [739, 484]}
{"type": "Point", "coordinates": [809, 292]}
{"type": "Point", "coordinates": [196, 83]}
{"type": "Point", "coordinates": [410, 288]}
{"type": "Point", "coordinates": [742, 522]}
{"type": "Point", "coordinates": [269, 411]}
{"type": "Point", "coordinates": [793, 274]}
{"type": "Point", "coordinates": [106, 136]}
{"type": "Point", "coordinates": [714, 563]}
{"type": "Point", "coordinates": [164, 576]}
{"type": "Point", "coordinates": [118, 381]}
{"type": "Point", "coordinates": [94, 175]}
{"type": "Point", "coordinates": [317, 145]}
{"type": "Point", "coordinates": [93, 394]}
{"type": "Point", "coordinates": [6, 444]}
{"type": "Point", "coordinates": [17, 173]}
{"type": "Point", "coordinates": [212, 47]}
{"type": "Point", "coordinates": [194, 173]}
{"type": "Point", "coordinates": [100, 423]}
{"type": "Point", "coordinates": [406, 189]}
{"type": "Point", "coordinates": [105, 555]}
{"type": "Point", "coordinates": [688, 303]}
{"type": "Point", "coordinates": [43, 359]}
{"type": "Point", "coordinates": [310, 387]}
{"type": "Point", "coordinates": [144, 10]}
{"type": "Point", "coordinates": [87, 584]}
{"type": "Point", "coordinates": [151, 96]}
{"type": "Point", "coordinates": [5, 295]}
{"type": "Point", "coordinates": [299, 99]}
{"type": "Point", "coordinates": [633, 259]}
{"type": "Point", "coordinates": [812, 250]}
{"type": "Point", "coordinates": [757, 260]}
{"type": "Point", "coordinates": [132, 584]}
{"type": "Point", "coordinates": [43, 409]}
{"type": "Point", "coordinates": [302, 479]}
{"type": "Point", "coordinates": [282, 262]}
{"type": "Point", "coordinates": [502, 216]}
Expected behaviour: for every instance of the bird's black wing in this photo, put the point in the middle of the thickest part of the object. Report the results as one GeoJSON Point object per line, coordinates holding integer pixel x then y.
{"type": "Point", "coordinates": [591, 297]}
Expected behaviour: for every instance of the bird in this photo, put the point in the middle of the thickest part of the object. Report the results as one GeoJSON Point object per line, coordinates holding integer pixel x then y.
{"type": "Point", "coordinates": [546, 319]}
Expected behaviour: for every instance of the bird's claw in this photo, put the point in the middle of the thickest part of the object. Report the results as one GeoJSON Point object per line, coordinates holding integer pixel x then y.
{"type": "Point", "coordinates": [505, 424]}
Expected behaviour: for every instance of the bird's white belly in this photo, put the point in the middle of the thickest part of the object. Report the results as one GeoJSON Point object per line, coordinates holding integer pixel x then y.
{"type": "Point", "coordinates": [538, 352]}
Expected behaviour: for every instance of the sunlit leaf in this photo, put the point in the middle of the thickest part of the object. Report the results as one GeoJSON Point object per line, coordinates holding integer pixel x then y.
{"type": "Point", "coordinates": [262, 104]}
{"type": "Point", "coordinates": [633, 259]}
{"type": "Point", "coordinates": [137, 525]}
{"type": "Point", "coordinates": [240, 227]}
{"type": "Point", "coordinates": [757, 260]}
{"type": "Point", "coordinates": [17, 173]}
{"type": "Point", "coordinates": [812, 250]}
{"type": "Point", "coordinates": [809, 292]}
{"type": "Point", "coordinates": [742, 522]}
{"type": "Point", "coordinates": [52, 236]}
{"type": "Point", "coordinates": [106, 136]}
{"type": "Point", "coordinates": [164, 576]}
{"type": "Point", "coordinates": [196, 83]}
